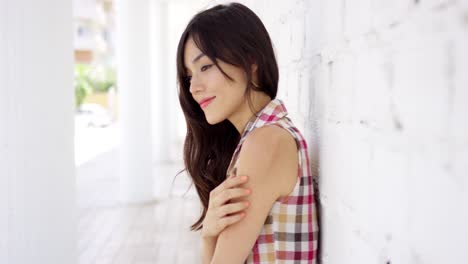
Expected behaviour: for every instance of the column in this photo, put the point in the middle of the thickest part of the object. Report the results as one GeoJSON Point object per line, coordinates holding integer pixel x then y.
{"type": "Point", "coordinates": [160, 71]}
{"type": "Point", "coordinates": [134, 82]}
{"type": "Point", "coordinates": [37, 178]}
{"type": "Point", "coordinates": [161, 103]}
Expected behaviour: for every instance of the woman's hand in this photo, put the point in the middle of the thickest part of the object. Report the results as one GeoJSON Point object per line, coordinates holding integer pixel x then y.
{"type": "Point", "coordinates": [221, 212]}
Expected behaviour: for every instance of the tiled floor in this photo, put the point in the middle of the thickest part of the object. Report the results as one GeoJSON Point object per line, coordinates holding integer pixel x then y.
{"type": "Point", "coordinates": [156, 232]}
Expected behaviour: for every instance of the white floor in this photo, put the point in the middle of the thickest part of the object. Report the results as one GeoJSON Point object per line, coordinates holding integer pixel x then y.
{"type": "Point", "coordinates": [110, 232]}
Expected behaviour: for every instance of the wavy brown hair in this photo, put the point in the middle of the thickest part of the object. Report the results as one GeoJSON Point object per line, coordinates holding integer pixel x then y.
{"type": "Point", "coordinates": [233, 34]}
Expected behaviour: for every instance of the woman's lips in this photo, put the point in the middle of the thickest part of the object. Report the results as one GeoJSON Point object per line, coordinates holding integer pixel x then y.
{"type": "Point", "coordinates": [207, 102]}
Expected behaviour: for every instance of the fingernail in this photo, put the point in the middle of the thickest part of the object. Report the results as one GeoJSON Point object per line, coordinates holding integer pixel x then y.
{"type": "Point", "coordinates": [247, 191]}
{"type": "Point", "coordinates": [244, 178]}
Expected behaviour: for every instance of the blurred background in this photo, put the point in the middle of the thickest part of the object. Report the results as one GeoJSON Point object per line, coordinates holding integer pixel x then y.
{"type": "Point", "coordinates": [128, 142]}
{"type": "Point", "coordinates": [91, 132]}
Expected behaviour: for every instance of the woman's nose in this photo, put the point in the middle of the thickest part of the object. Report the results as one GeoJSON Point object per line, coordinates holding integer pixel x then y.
{"type": "Point", "coordinates": [195, 86]}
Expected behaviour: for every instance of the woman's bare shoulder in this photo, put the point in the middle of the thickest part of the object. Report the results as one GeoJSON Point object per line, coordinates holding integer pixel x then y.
{"type": "Point", "coordinates": [276, 147]}
{"type": "Point", "coordinates": [272, 138]}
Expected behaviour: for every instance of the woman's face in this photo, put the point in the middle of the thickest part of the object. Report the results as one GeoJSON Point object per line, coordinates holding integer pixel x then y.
{"type": "Point", "coordinates": [207, 81]}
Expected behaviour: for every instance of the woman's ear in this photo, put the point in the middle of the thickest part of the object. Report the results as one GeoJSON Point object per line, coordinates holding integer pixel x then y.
{"type": "Point", "coordinates": [254, 67]}
{"type": "Point", "coordinates": [253, 64]}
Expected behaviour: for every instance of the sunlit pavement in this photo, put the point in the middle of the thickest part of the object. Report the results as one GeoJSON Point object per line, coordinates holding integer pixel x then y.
{"type": "Point", "coordinates": [112, 232]}
{"type": "Point", "coordinates": [92, 141]}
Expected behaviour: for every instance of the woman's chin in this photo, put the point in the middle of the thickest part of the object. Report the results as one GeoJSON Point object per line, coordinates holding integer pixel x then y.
{"type": "Point", "coordinates": [212, 120]}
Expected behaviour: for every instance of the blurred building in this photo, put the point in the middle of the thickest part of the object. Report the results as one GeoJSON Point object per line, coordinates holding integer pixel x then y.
{"type": "Point", "coordinates": [94, 31]}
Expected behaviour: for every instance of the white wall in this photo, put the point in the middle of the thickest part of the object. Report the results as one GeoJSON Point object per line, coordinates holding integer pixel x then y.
{"type": "Point", "coordinates": [37, 180]}
{"type": "Point", "coordinates": [380, 90]}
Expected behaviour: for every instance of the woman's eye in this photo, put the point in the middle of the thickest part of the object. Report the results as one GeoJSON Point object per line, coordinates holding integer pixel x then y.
{"type": "Point", "coordinates": [206, 67]}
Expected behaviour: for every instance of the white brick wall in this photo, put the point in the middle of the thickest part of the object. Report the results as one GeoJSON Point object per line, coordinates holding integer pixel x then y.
{"type": "Point", "coordinates": [380, 90]}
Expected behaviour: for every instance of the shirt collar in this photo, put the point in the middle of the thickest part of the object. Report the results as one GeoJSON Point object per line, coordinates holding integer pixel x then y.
{"type": "Point", "coordinates": [272, 112]}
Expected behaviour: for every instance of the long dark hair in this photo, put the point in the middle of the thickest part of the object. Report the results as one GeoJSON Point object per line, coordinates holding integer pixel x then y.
{"type": "Point", "coordinates": [233, 34]}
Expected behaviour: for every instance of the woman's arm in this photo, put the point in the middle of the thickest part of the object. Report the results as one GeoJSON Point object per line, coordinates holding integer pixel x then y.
{"type": "Point", "coordinates": [269, 157]}
{"type": "Point", "coordinates": [222, 212]}
{"type": "Point", "coordinates": [208, 248]}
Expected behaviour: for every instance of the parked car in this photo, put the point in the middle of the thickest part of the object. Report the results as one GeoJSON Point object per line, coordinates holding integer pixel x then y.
{"type": "Point", "coordinates": [93, 115]}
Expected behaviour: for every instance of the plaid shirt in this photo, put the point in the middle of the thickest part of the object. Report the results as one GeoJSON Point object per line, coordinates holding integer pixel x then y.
{"type": "Point", "coordinates": [290, 231]}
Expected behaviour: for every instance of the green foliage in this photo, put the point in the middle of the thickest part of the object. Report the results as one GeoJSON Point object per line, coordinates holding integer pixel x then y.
{"type": "Point", "coordinates": [90, 79]}
{"type": "Point", "coordinates": [103, 78]}
{"type": "Point", "coordinates": [83, 86]}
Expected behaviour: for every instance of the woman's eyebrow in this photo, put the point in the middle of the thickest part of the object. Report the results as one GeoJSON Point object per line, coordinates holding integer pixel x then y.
{"type": "Point", "coordinates": [198, 57]}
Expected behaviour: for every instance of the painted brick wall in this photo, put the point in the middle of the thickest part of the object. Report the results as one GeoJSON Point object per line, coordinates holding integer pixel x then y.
{"type": "Point", "coordinates": [380, 90]}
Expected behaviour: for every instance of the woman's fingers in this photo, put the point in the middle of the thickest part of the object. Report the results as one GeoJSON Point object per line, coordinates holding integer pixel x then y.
{"type": "Point", "coordinates": [232, 208]}
{"type": "Point", "coordinates": [229, 194]}
{"type": "Point", "coordinates": [228, 183]}
{"type": "Point", "coordinates": [221, 211]}
{"type": "Point", "coordinates": [234, 181]}
{"type": "Point", "coordinates": [229, 220]}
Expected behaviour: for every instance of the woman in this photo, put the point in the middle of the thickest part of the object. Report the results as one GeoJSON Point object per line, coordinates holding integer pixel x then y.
{"type": "Point", "coordinates": [228, 78]}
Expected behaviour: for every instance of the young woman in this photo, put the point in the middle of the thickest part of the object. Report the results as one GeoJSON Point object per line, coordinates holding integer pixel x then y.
{"type": "Point", "coordinates": [248, 162]}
